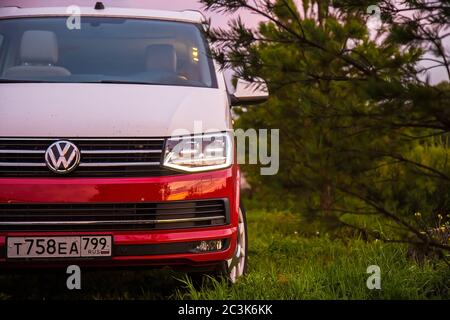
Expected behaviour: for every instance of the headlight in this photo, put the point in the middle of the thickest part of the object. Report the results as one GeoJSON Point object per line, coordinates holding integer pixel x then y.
{"type": "Point", "coordinates": [209, 151]}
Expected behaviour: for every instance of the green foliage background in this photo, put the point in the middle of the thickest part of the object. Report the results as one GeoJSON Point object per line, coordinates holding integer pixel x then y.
{"type": "Point", "coordinates": [364, 135]}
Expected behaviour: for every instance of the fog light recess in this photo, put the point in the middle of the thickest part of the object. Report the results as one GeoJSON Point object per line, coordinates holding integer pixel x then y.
{"type": "Point", "coordinates": [209, 246]}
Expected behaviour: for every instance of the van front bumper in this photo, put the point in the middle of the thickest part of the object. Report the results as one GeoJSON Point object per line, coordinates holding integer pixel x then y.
{"type": "Point", "coordinates": [131, 248]}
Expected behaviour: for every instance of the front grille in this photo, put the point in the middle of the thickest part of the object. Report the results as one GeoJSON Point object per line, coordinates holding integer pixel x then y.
{"type": "Point", "coordinates": [99, 157]}
{"type": "Point", "coordinates": [113, 216]}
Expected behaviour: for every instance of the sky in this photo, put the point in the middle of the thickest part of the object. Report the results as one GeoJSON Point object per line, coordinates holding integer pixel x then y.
{"type": "Point", "coordinates": [218, 20]}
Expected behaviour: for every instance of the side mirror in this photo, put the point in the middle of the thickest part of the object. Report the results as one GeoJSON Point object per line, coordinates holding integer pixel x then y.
{"type": "Point", "coordinates": [250, 93]}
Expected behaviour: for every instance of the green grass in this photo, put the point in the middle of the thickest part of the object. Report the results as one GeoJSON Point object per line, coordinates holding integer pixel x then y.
{"type": "Point", "coordinates": [283, 264]}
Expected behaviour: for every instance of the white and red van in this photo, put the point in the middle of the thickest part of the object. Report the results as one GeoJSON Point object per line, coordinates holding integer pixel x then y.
{"type": "Point", "coordinates": [102, 162]}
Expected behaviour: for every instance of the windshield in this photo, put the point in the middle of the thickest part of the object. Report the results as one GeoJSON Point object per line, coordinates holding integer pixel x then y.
{"type": "Point", "coordinates": [104, 50]}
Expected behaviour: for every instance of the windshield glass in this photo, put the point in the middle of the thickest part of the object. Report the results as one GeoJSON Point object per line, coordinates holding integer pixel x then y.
{"type": "Point", "coordinates": [105, 50]}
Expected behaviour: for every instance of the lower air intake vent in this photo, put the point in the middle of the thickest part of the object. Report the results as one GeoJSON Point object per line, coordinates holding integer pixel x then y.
{"type": "Point", "coordinates": [113, 216]}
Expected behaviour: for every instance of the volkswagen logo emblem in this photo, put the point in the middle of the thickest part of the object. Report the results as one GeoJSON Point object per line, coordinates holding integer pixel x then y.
{"type": "Point", "coordinates": [62, 157]}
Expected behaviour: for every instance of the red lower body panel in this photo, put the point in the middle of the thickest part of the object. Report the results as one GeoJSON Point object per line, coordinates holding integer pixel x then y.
{"type": "Point", "coordinates": [211, 185]}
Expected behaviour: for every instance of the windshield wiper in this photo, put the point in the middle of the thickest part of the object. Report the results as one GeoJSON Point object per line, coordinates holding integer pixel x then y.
{"type": "Point", "coordinates": [125, 82]}
{"type": "Point", "coordinates": [23, 81]}
{"type": "Point", "coordinates": [99, 81]}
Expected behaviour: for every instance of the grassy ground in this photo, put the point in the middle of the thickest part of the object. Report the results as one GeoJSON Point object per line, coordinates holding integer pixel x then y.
{"type": "Point", "coordinates": [282, 265]}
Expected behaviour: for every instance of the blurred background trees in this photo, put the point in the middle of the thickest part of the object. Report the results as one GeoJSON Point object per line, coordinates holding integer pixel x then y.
{"type": "Point", "coordinates": [364, 132]}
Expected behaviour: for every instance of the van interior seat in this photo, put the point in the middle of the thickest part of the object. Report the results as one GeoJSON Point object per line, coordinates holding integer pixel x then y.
{"type": "Point", "coordinates": [161, 58]}
{"type": "Point", "coordinates": [161, 64]}
{"type": "Point", "coordinates": [38, 56]}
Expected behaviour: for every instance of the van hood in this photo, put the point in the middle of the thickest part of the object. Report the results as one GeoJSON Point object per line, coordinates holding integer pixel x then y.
{"type": "Point", "coordinates": [109, 110]}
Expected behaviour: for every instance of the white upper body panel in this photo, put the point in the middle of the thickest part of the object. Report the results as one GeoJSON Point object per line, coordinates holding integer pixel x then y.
{"type": "Point", "coordinates": [65, 110]}
{"type": "Point", "coordinates": [110, 110]}
{"type": "Point", "coordinates": [186, 16]}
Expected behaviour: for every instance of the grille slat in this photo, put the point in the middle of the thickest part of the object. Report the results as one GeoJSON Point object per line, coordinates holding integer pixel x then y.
{"type": "Point", "coordinates": [100, 157]}
{"type": "Point", "coordinates": [109, 216]}
{"type": "Point", "coordinates": [14, 208]}
{"type": "Point", "coordinates": [113, 216]}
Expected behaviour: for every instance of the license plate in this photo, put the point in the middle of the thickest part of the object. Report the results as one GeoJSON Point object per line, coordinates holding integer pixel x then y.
{"type": "Point", "coordinates": [59, 247]}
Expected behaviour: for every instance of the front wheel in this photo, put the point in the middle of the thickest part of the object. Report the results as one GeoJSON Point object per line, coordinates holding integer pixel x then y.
{"type": "Point", "coordinates": [236, 267]}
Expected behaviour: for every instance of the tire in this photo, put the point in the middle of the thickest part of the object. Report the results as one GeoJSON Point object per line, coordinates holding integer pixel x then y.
{"type": "Point", "coordinates": [233, 268]}
{"type": "Point", "coordinates": [236, 267]}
